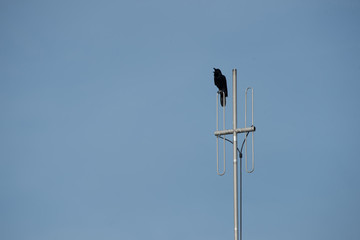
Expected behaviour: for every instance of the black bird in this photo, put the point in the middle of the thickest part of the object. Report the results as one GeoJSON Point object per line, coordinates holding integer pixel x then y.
{"type": "Point", "coordinates": [220, 82]}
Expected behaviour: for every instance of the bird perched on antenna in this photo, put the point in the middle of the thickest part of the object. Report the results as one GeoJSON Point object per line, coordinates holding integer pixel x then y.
{"type": "Point", "coordinates": [220, 82]}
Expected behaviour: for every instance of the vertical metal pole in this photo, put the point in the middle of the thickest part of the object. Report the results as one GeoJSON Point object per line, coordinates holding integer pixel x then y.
{"type": "Point", "coordinates": [236, 203]}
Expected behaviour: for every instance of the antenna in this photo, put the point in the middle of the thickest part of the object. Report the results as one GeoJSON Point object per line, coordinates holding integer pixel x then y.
{"type": "Point", "coordinates": [234, 132]}
{"type": "Point", "coordinates": [217, 129]}
{"type": "Point", "coordinates": [252, 133]}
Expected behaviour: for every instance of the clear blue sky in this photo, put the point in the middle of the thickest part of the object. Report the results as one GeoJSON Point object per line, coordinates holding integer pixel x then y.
{"type": "Point", "coordinates": [107, 114]}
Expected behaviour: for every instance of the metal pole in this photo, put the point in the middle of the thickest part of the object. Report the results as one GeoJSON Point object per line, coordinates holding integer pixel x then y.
{"type": "Point", "coordinates": [231, 131]}
{"type": "Point", "coordinates": [236, 202]}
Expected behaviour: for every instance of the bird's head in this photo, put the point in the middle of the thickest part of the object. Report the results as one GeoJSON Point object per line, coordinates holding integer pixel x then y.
{"type": "Point", "coordinates": [217, 72]}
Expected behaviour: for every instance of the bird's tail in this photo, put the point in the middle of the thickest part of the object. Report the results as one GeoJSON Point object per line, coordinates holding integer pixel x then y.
{"type": "Point", "coordinates": [222, 99]}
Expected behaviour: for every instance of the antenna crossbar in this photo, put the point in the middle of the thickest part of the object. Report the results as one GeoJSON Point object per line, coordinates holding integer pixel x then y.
{"type": "Point", "coordinates": [232, 131]}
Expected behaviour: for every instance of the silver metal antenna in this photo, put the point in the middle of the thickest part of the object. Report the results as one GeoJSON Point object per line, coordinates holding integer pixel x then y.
{"type": "Point", "coordinates": [236, 202]}
{"type": "Point", "coordinates": [234, 132]}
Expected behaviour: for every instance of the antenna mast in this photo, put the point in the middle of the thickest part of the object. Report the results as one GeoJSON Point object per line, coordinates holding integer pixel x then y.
{"type": "Point", "coordinates": [234, 132]}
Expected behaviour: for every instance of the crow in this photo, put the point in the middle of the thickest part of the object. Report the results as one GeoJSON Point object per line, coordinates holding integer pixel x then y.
{"type": "Point", "coordinates": [220, 82]}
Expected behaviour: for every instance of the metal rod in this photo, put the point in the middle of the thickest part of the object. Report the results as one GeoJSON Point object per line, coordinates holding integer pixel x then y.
{"type": "Point", "coordinates": [252, 123]}
{"type": "Point", "coordinates": [236, 202]}
{"type": "Point", "coordinates": [240, 162]}
{"type": "Point", "coordinates": [238, 130]}
{"type": "Point", "coordinates": [223, 95]}
{"type": "Point", "coordinates": [252, 136]}
{"type": "Point", "coordinates": [217, 137]}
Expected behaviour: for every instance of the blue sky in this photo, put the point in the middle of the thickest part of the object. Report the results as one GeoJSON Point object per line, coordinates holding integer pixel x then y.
{"type": "Point", "coordinates": [107, 114]}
